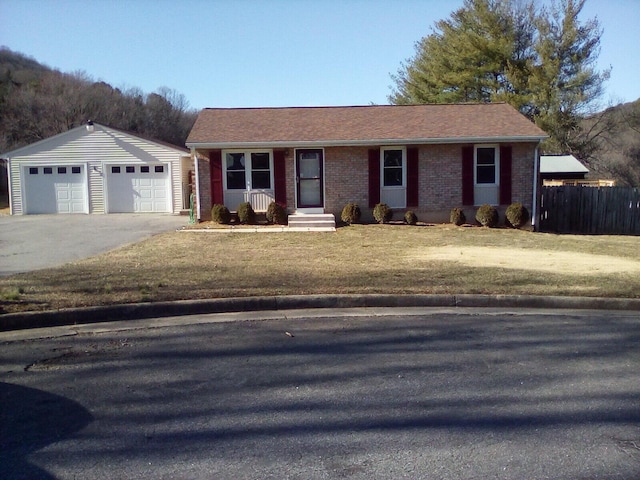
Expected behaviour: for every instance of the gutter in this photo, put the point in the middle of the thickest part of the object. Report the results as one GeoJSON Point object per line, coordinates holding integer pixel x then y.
{"type": "Point", "coordinates": [536, 172]}
{"type": "Point", "coordinates": [361, 143]}
{"type": "Point", "coordinates": [9, 189]}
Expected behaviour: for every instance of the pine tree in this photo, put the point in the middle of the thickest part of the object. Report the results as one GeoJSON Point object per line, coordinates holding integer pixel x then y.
{"type": "Point", "coordinates": [540, 61]}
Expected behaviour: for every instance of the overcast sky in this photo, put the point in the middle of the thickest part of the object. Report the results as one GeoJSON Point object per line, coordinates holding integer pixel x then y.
{"type": "Point", "coordinates": [237, 53]}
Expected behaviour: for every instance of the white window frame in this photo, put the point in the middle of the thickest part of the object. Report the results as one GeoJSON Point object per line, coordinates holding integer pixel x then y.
{"type": "Point", "coordinates": [496, 149]}
{"type": "Point", "coordinates": [394, 195]}
{"type": "Point", "coordinates": [247, 169]}
{"type": "Point", "coordinates": [404, 167]}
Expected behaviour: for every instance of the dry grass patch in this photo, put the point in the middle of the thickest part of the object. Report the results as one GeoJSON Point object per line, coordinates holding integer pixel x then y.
{"type": "Point", "coordinates": [357, 259]}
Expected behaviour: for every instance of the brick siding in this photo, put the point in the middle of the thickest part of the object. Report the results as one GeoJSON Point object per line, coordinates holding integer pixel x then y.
{"type": "Point", "coordinates": [347, 180]}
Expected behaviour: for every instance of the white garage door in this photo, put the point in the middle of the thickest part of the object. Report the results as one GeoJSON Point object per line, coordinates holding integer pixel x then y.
{"type": "Point", "coordinates": [55, 189]}
{"type": "Point", "coordinates": [138, 188]}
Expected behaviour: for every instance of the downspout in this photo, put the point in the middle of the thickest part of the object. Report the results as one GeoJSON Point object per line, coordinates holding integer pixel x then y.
{"type": "Point", "coordinates": [536, 169]}
{"type": "Point", "coordinates": [197, 174]}
{"type": "Point", "coordinates": [9, 190]}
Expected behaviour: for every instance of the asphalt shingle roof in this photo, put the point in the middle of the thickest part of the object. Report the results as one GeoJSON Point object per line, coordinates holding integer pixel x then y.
{"type": "Point", "coordinates": [335, 125]}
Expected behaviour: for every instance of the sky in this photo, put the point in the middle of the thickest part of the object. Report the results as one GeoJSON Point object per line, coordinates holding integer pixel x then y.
{"type": "Point", "coordinates": [268, 53]}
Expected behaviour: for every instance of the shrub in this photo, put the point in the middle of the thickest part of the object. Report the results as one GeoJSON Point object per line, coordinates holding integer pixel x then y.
{"type": "Point", "coordinates": [246, 214]}
{"type": "Point", "coordinates": [410, 218]}
{"type": "Point", "coordinates": [457, 216]}
{"type": "Point", "coordinates": [516, 215]}
{"type": "Point", "coordinates": [276, 214]}
{"type": "Point", "coordinates": [220, 214]}
{"type": "Point", "coordinates": [487, 216]}
{"type": "Point", "coordinates": [351, 213]}
{"type": "Point", "coordinates": [382, 213]}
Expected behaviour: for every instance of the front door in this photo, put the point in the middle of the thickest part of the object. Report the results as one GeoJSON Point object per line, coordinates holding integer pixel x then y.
{"type": "Point", "coordinates": [309, 178]}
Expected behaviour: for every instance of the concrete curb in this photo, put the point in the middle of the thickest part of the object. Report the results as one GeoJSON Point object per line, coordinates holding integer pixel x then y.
{"type": "Point", "coordinates": [135, 311]}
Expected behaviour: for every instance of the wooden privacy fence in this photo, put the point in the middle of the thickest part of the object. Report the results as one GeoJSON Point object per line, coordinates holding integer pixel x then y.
{"type": "Point", "coordinates": [590, 210]}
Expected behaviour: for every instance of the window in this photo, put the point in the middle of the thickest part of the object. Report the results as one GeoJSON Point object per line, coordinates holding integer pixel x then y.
{"type": "Point", "coordinates": [260, 170]}
{"type": "Point", "coordinates": [75, 169]}
{"type": "Point", "coordinates": [249, 170]}
{"type": "Point", "coordinates": [33, 170]}
{"type": "Point", "coordinates": [48, 170]}
{"type": "Point", "coordinates": [486, 165]}
{"type": "Point", "coordinates": [236, 176]}
{"type": "Point", "coordinates": [393, 167]}
{"type": "Point", "coordinates": [130, 169]}
{"type": "Point", "coordinates": [115, 169]}
{"type": "Point", "coordinates": [158, 168]}
{"type": "Point", "coordinates": [62, 170]}
{"type": "Point", "coordinates": [144, 169]}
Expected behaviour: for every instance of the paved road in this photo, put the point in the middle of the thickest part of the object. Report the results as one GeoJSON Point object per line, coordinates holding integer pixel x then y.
{"type": "Point", "coordinates": [32, 242]}
{"type": "Point", "coordinates": [455, 394]}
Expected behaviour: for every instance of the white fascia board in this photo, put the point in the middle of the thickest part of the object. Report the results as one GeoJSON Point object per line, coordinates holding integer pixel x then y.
{"type": "Point", "coordinates": [361, 143]}
{"type": "Point", "coordinates": [20, 151]}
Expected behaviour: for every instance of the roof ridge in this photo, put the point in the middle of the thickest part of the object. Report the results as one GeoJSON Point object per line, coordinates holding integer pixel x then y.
{"type": "Point", "coordinates": [301, 107]}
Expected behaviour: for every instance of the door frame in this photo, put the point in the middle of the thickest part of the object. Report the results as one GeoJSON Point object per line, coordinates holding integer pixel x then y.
{"type": "Point", "coordinates": [309, 208]}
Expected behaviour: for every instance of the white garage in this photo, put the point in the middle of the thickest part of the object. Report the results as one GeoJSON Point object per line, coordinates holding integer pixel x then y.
{"type": "Point", "coordinates": [138, 188]}
{"type": "Point", "coordinates": [55, 189]}
{"type": "Point", "coordinates": [97, 169]}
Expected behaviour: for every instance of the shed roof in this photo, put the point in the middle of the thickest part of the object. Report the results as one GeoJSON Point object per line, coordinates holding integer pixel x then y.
{"type": "Point", "coordinates": [561, 164]}
{"type": "Point", "coordinates": [354, 125]}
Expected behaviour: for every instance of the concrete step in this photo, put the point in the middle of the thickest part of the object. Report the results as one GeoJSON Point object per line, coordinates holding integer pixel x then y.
{"type": "Point", "coordinates": [323, 220]}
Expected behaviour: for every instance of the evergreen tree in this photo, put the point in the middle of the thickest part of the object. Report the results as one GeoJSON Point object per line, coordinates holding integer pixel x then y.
{"type": "Point", "coordinates": [540, 61]}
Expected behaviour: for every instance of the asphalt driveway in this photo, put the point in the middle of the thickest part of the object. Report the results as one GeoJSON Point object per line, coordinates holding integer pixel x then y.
{"type": "Point", "coordinates": [33, 242]}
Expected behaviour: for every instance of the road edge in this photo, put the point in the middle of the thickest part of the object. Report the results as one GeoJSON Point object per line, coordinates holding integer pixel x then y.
{"type": "Point", "coordinates": [135, 311]}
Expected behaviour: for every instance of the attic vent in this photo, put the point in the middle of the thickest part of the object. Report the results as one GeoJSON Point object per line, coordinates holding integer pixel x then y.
{"type": "Point", "coordinates": [90, 127]}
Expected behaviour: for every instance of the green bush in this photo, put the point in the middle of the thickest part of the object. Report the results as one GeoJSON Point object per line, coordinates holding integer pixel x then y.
{"type": "Point", "coordinates": [457, 216]}
{"type": "Point", "coordinates": [276, 214]}
{"type": "Point", "coordinates": [351, 213]}
{"type": "Point", "coordinates": [516, 215]}
{"type": "Point", "coordinates": [382, 213]}
{"type": "Point", "coordinates": [487, 216]}
{"type": "Point", "coordinates": [410, 218]}
{"type": "Point", "coordinates": [220, 214]}
{"type": "Point", "coordinates": [246, 214]}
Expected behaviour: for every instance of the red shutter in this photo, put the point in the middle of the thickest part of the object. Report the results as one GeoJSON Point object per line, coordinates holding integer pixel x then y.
{"type": "Point", "coordinates": [374, 177]}
{"type": "Point", "coordinates": [467, 176]}
{"type": "Point", "coordinates": [215, 166]}
{"type": "Point", "coordinates": [280, 177]}
{"type": "Point", "coordinates": [413, 188]}
{"type": "Point", "coordinates": [505, 175]}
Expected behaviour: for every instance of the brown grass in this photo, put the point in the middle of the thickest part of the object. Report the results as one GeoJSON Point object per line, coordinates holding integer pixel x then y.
{"type": "Point", "coordinates": [358, 259]}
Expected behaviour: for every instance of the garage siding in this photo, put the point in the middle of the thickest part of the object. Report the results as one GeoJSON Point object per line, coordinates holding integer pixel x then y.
{"type": "Point", "coordinates": [96, 151]}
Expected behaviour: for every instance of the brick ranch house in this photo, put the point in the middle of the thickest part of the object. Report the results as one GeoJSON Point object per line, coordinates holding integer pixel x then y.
{"type": "Point", "coordinates": [427, 158]}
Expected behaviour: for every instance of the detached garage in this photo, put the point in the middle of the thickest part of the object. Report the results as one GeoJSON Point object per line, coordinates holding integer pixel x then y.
{"type": "Point", "coordinates": [97, 169]}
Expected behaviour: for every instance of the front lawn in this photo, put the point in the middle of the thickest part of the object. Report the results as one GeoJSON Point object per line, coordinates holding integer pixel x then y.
{"type": "Point", "coordinates": [360, 259]}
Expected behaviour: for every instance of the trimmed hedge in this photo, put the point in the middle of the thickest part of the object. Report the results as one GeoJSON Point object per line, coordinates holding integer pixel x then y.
{"type": "Point", "coordinates": [246, 214]}
{"type": "Point", "coordinates": [457, 216]}
{"type": "Point", "coordinates": [351, 213]}
{"type": "Point", "coordinates": [410, 218]}
{"type": "Point", "coordinates": [276, 214]}
{"type": "Point", "coordinates": [487, 216]}
{"type": "Point", "coordinates": [220, 214]}
{"type": "Point", "coordinates": [382, 213]}
{"type": "Point", "coordinates": [516, 215]}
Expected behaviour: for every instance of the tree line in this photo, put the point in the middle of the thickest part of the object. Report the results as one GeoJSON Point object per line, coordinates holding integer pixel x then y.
{"type": "Point", "coordinates": [37, 102]}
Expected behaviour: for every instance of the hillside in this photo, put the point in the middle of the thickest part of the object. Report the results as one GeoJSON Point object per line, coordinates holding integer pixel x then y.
{"type": "Point", "coordinates": [619, 154]}
{"type": "Point", "coordinates": [37, 102]}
